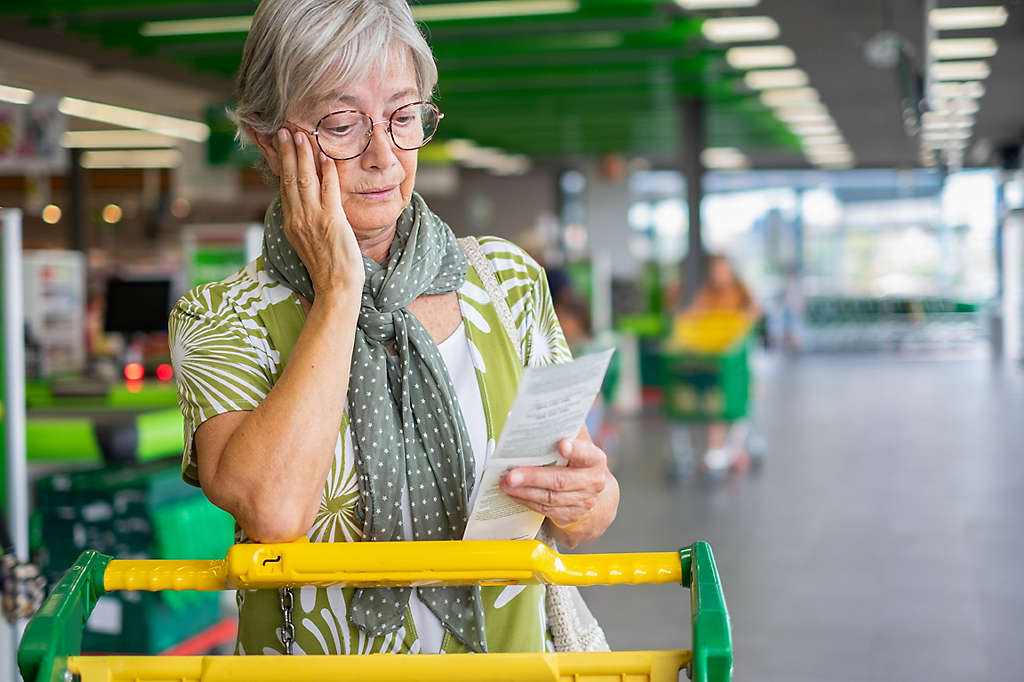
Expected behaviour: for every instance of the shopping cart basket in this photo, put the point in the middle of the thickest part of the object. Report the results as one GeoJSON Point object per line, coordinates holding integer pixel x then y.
{"type": "Point", "coordinates": [50, 649]}
{"type": "Point", "coordinates": [706, 378]}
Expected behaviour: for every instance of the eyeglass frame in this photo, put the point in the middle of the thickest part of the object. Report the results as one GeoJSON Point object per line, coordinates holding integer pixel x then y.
{"type": "Point", "coordinates": [369, 136]}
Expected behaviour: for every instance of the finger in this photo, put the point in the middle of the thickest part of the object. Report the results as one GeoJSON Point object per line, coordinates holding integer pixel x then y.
{"type": "Point", "coordinates": [553, 499]}
{"type": "Point", "coordinates": [307, 180]}
{"type": "Point", "coordinates": [330, 194]}
{"type": "Point", "coordinates": [557, 478]}
{"type": "Point", "coordinates": [289, 190]}
{"type": "Point", "coordinates": [580, 452]}
{"type": "Point", "coordinates": [561, 516]}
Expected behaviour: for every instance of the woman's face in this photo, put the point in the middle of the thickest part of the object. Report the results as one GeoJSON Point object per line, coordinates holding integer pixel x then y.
{"type": "Point", "coordinates": [721, 275]}
{"type": "Point", "coordinates": [376, 185]}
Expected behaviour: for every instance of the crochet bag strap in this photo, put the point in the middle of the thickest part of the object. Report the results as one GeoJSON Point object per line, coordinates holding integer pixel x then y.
{"type": "Point", "coordinates": [572, 625]}
{"type": "Point", "coordinates": [476, 257]}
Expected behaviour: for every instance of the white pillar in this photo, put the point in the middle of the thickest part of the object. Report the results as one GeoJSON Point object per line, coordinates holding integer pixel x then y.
{"type": "Point", "coordinates": [1013, 283]}
{"type": "Point", "coordinates": [14, 407]}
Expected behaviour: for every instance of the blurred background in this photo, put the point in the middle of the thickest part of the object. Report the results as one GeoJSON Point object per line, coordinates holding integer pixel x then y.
{"type": "Point", "coordinates": [799, 222]}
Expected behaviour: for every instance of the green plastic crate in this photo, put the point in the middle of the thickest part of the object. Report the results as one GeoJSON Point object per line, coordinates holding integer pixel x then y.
{"type": "Point", "coordinates": [147, 622]}
{"type": "Point", "coordinates": [138, 512]}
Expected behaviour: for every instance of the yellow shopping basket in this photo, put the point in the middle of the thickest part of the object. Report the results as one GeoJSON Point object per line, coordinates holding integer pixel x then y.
{"type": "Point", "coordinates": [50, 650]}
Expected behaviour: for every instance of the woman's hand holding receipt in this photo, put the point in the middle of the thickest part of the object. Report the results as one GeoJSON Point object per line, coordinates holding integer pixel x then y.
{"type": "Point", "coordinates": [539, 468]}
{"type": "Point", "coordinates": [579, 498]}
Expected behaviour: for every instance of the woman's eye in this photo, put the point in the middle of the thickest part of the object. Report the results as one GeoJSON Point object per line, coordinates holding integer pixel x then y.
{"type": "Point", "coordinates": [339, 130]}
{"type": "Point", "coordinates": [404, 119]}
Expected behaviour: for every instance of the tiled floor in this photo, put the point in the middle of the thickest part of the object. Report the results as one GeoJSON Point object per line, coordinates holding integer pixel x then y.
{"type": "Point", "coordinates": [883, 540]}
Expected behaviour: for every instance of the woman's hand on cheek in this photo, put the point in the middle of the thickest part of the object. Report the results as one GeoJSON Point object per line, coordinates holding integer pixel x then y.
{"type": "Point", "coordinates": [568, 495]}
{"type": "Point", "coordinates": [314, 220]}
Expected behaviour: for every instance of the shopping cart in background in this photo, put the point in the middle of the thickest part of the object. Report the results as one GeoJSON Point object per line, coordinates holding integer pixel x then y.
{"type": "Point", "coordinates": [51, 648]}
{"type": "Point", "coordinates": [706, 382]}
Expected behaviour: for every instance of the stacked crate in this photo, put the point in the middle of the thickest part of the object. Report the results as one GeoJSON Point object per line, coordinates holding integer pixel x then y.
{"type": "Point", "coordinates": [142, 511]}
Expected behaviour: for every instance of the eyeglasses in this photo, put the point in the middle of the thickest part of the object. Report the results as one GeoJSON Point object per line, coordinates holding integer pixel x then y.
{"type": "Point", "coordinates": [344, 135]}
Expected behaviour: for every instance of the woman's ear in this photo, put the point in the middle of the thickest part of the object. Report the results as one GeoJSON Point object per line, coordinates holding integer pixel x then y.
{"type": "Point", "coordinates": [268, 147]}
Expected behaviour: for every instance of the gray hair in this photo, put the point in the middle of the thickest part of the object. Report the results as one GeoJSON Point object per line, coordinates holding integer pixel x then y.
{"type": "Point", "coordinates": [295, 48]}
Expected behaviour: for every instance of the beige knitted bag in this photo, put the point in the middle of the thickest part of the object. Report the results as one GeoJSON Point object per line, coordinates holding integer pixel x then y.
{"type": "Point", "coordinates": [572, 625]}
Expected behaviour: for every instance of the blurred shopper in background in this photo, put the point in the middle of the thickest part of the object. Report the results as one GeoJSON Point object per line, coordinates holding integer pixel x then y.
{"type": "Point", "coordinates": [365, 313]}
{"type": "Point", "coordinates": [720, 299]}
{"type": "Point", "coordinates": [723, 290]}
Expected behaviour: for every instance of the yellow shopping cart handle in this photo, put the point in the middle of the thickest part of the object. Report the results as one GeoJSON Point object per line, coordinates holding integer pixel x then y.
{"type": "Point", "coordinates": [53, 638]}
{"type": "Point", "coordinates": [380, 564]}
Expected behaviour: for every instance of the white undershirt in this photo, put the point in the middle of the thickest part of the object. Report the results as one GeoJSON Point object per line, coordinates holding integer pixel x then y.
{"type": "Point", "coordinates": [457, 357]}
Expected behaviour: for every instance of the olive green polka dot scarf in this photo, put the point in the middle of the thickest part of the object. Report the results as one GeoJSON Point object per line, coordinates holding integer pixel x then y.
{"type": "Point", "coordinates": [406, 419]}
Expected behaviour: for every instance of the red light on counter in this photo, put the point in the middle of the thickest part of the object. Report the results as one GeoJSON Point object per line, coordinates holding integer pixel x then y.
{"type": "Point", "coordinates": [134, 371]}
{"type": "Point", "coordinates": [164, 372]}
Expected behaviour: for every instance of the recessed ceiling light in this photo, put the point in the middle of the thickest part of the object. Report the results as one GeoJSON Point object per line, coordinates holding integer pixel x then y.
{"type": "Point", "coordinates": [775, 78]}
{"type": "Point", "coordinates": [14, 95]}
{"type": "Point", "coordinates": [787, 96]}
{"type": "Point", "coordinates": [694, 5]}
{"type": "Point", "coordinates": [964, 48]}
{"type": "Point", "coordinates": [740, 29]}
{"type": "Point", "coordinates": [724, 158]}
{"type": "Point", "coordinates": [972, 89]}
{"type": "Point", "coordinates": [808, 129]}
{"type": "Point", "coordinates": [960, 71]}
{"type": "Point", "coordinates": [115, 139]}
{"type": "Point", "coordinates": [954, 18]}
{"type": "Point", "coordinates": [821, 140]}
{"type": "Point", "coordinates": [184, 27]}
{"type": "Point", "coordinates": [828, 150]}
{"type": "Point", "coordinates": [766, 57]}
{"type": "Point", "coordinates": [132, 158]}
{"type": "Point", "coordinates": [491, 8]}
{"type": "Point", "coordinates": [133, 118]}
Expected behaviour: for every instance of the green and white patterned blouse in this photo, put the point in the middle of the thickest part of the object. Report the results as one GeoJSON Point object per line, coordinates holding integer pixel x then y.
{"type": "Point", "coordinates": [231, 340]}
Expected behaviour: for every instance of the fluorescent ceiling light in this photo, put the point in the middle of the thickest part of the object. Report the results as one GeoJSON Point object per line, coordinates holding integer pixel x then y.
{"type": "Point", "coordinates": [841, 164]}
{"type": "Point", "coordinates": [960, 71]}
{"type": "Point", "coordinates": [956, 106]}
{"type": "Point", "coordinates": [724, 158]}
{"type": "Point", "coordinates": [947, 138]}
{"type": "Point", "coordinates": [821, 140]}
{"type": "Point", "coordinates": [972, 89]}
{"type": "Point", "coordinates": [775, 78]}
{"type": "Point", "coordinates": [963, 48]}
{"type": "Point", "coordinates": [132, 158]}
{"type": "Point", "coordinates": [133, 118]}
{"type": "Point", "coordinates": [433, 12]}
{"type": "Point", "coordinates": [9, 93]}
{"type": "Point", "coordinates": [766, 57]}
{"type": "Point", "coordinates": [954, 18]}
{"type": "Point", "coordinates": [827, 150]}
{"type": "Point", "coordinates": [694, 5]}
{"type": "Point", "coordinates": [183, 27]}
{"type": "Point", "coordinates": [740, 29]}
{"type": "Point", "coordinates": [788, 96]}
{"type": "Point", "coordinates": [811, 129]}
{"type": "Point", "coordinates": [115, 139]}
{"type": "Point", "coordinates": [492, 8]}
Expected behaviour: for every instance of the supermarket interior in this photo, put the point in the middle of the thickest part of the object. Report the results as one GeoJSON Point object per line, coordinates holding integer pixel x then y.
{"type": "Point", "coordinates": [798, 223]}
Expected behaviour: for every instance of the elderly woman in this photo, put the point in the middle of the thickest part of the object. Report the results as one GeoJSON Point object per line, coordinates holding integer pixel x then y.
{"type": "Point", "coordinates": [349, 384]}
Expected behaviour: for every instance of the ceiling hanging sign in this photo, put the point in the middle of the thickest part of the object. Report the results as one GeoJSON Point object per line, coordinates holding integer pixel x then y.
{"type": "Point", "coordinates": [30, 137]}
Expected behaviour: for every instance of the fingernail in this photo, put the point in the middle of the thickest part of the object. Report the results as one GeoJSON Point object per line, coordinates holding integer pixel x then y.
{"type": "Point", "coordinates": [567, 448]}
{"type": "Point", "coordinates": [323, 157]}
{"type": "Point", "coordinates": [282, 134]}
{"type": "Point", "coordinates": [514, 478]}
{"type": "Point", "coordinates": [297, 136]}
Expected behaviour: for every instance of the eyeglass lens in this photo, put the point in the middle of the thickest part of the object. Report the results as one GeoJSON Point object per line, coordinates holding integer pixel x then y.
{"type": "Point", "coordinates": [345, 134]}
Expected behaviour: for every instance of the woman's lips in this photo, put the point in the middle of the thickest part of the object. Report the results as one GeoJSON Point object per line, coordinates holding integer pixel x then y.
{"type": "Point", "coordinates": [378, 193]}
